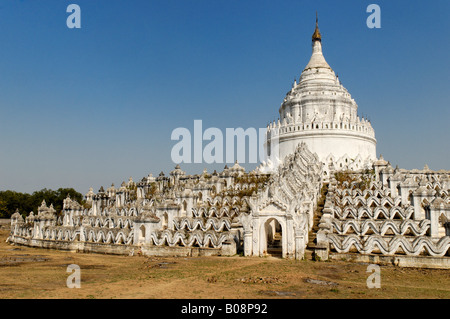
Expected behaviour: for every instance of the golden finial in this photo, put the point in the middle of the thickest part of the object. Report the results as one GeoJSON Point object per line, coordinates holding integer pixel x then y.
{"type": "Point", "coordinates": [317, 36]}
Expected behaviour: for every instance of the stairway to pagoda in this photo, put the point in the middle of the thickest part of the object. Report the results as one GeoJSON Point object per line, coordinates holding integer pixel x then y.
{"type": "Point", "coordinates": [275, 248]}
{"type": "Point", "coordinates": [316, 220]}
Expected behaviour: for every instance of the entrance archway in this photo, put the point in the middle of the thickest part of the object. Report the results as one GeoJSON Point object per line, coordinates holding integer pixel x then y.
{"type": "Point", "coordinates": [165, 221]}
{"type": "Point", "coordinates": [272, 238]}
{"type": "Point", "coordinates": [142, 234]}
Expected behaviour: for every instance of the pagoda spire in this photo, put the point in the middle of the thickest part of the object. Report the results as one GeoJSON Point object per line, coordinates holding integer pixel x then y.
{"type": "Point", "coordinates": [317, 36]}
{"type": "Point", "coordinates": [317, 59]}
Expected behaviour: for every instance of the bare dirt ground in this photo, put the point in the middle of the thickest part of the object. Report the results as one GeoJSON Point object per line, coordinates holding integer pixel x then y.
{"type": "Point", "coordinates": [39, 273]}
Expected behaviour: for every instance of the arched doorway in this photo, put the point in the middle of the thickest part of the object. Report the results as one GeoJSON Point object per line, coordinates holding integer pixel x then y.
{"type": "Point", "coordinates": [165, 221]}
{"type": "Point", "coordinates": [272, 238]}
{"type": "Point", "coordinates": [142, 234]}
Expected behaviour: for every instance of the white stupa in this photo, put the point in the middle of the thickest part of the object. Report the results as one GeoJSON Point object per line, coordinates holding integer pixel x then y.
{"type": "Point", "coordinates": [319, 111]}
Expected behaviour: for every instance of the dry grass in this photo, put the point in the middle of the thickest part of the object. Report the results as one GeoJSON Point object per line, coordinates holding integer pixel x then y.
{"type": "Point", "coordinates": [38, 273]}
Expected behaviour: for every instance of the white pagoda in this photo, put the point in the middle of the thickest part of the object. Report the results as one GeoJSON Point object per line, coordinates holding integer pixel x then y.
{"type": "Point", "coordinates": [320, 112]}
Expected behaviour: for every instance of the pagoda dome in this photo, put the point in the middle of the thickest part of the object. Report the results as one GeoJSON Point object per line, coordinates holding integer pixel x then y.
{"type": "Point", "coordinates": [319, 111]}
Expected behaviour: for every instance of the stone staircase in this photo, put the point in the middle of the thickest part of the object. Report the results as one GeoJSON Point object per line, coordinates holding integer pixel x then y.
{"type": "Point", "coordinates": [317, 216]}
{"type": "Point", "coordinates": [275, 248]}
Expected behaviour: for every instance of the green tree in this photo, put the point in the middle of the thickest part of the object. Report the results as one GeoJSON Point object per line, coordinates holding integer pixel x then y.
{"type": "Point", "coordinates": [3, 209]}
{"type": "Point", "coordinates": [11, 200]}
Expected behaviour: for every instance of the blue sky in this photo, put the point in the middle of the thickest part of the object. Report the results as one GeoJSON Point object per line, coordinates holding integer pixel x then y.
{"type": "Point", "coordinates": [97, 105]}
